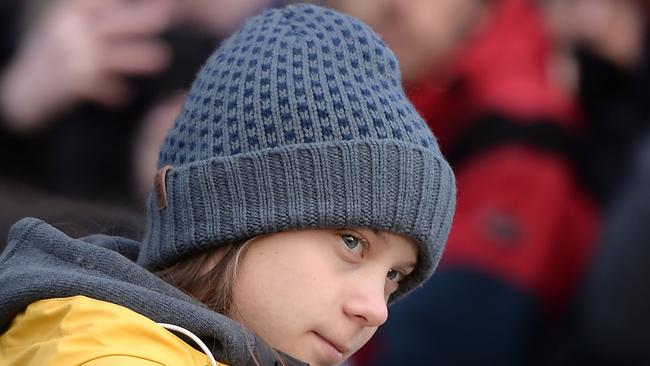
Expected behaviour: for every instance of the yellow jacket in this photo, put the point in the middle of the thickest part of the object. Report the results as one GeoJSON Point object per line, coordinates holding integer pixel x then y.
{"type": "Point", "coordinates": [83, 331]}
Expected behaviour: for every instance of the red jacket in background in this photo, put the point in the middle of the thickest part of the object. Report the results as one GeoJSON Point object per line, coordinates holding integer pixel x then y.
{"type": "Point", "coordinates": [521, 213]}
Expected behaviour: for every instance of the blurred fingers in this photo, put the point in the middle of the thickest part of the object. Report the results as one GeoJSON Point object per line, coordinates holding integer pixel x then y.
{"type": "Point", "coordinates": [135, 18]}
{"type": "Point", "coordinates": [135, 57]}
{"type": "Point", "coordinates": [109, 90]}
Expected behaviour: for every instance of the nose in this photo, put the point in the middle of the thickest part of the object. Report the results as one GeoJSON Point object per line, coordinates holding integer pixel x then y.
{"type": "Point", "coordinates": [367, 304]}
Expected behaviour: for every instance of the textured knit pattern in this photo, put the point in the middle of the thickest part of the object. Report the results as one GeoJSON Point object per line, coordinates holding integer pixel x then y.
{"type": "Point", "coordinates": [294, 76]}
{"type": "Point", "coordinates": [297, 121]}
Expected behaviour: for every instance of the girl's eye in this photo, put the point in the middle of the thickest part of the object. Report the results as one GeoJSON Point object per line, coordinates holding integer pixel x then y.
{"type": "Point", "coordinates": [394, 275]}
{"type": "Point", "coordinates": [353, 243]}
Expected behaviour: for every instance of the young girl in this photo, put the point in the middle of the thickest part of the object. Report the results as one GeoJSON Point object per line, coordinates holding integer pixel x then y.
{"type": "Point", "coordinates": [299, 193]}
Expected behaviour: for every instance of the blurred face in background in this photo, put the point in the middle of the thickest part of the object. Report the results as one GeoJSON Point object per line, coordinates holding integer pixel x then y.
{"type": "Point", "coordinates": [220, 16]}
{"type": "Point", "coordinates": [422, 33]}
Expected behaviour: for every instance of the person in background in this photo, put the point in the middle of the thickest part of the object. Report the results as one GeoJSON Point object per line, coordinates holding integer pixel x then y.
{"type": "Point", "coordinates": [611, 321]}
{"type": "Point", "coordinates": [604, 48]}
{"type": "Point", "coordinates": [299, 194]}
{"type": "Point", "coordinates": [480, 73]}
{"type": "Point", "coordinates": [607, 44]}
{"type": "Point", "coordinates": [87, 90]}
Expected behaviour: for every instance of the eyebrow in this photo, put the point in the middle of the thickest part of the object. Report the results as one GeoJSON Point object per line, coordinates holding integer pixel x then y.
{"type": "Point", "coordinates": [381, 235]}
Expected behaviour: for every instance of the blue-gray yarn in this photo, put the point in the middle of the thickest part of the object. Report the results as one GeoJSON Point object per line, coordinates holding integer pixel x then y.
{"type": "Point", "coordinates": [299, 121]}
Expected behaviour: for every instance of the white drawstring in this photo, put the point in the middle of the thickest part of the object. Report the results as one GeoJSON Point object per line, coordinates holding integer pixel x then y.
{"type": "Point", "coordinates": [193, 336]}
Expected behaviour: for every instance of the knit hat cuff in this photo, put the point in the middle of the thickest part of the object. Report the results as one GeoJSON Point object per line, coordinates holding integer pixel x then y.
{"type": "Point", "coordinates": [381, 184]}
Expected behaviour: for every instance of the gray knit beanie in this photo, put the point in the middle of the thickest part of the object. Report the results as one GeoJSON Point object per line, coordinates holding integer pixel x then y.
{"type": "Point", "coordinates": [299, 121]}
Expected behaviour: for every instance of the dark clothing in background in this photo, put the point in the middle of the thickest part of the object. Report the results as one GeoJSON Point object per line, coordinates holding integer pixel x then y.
{"type": "Point", "coordinates": [9, 28]}
{"type": "Point", "coordinates": [463, 317]}
{"type": "Point", "coordinates": [73, 216]}
{"type": "Point", "coordinates": [616, 104]}
{"type": "Point", "coordinates": [615, 314]}
{"type": "Point", "coordinates": [612, 318]}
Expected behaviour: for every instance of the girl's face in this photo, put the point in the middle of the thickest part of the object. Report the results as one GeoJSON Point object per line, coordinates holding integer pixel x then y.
{"type": "Point", "coordinates": [319, 295]}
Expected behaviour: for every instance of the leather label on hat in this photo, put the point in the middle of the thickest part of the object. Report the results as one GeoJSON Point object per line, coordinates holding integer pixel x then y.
{"type": "Point", "coordinates": [159, 187]}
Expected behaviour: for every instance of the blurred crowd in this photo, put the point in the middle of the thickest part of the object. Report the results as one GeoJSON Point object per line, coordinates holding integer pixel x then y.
{"type": "Point", "coordinates": [88, 89]}
{"type": "Point", "coordinates": [539, 105]}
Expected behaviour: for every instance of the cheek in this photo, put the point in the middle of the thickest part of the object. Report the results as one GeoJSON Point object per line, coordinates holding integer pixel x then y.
{"type": "Point", "coordinates": [261, 301]}
{"type": "Point", "coordinates": [263, 284]}
{"type": "Point", "coordinates": [272, 287]}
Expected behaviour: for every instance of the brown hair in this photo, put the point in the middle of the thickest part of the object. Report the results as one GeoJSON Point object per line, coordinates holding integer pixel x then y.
{"type": "Point", "coordinates": [208, 276]}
